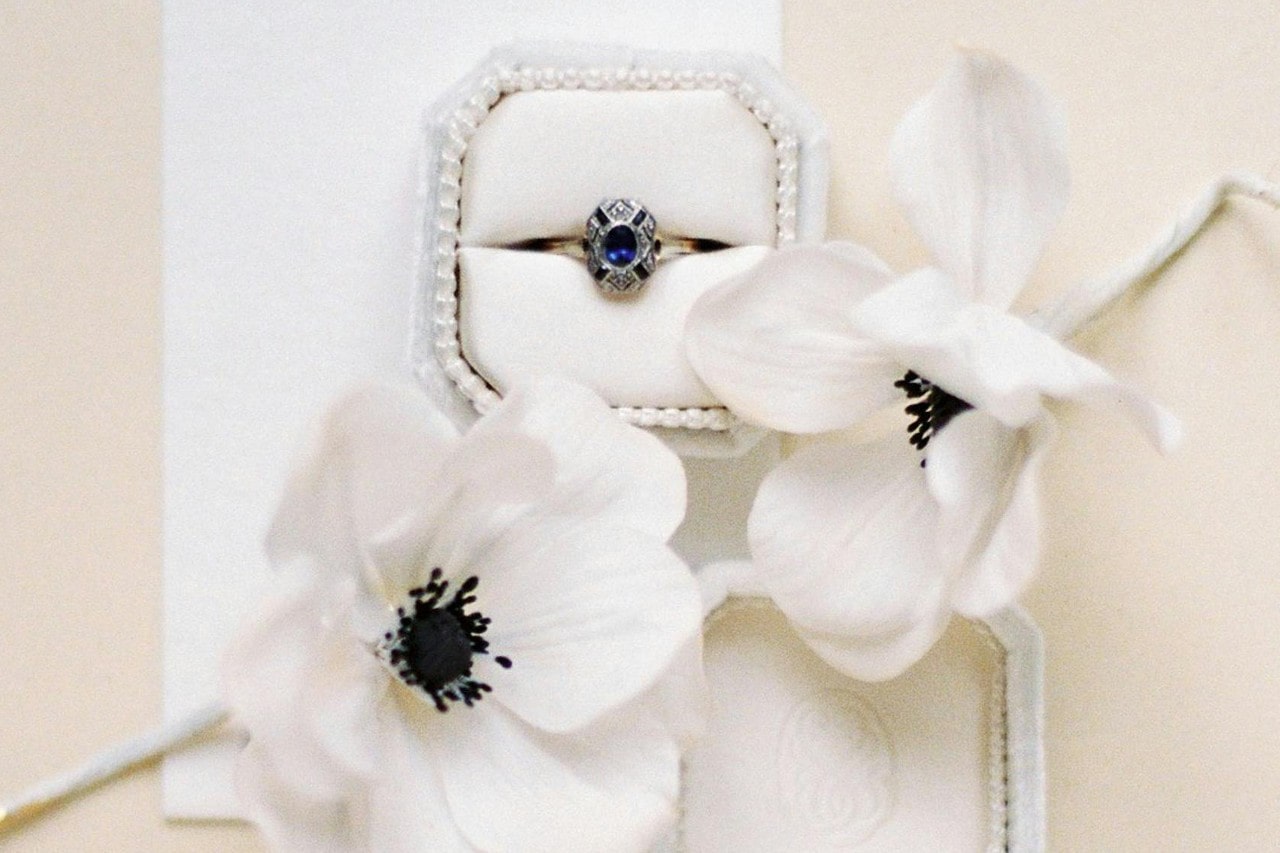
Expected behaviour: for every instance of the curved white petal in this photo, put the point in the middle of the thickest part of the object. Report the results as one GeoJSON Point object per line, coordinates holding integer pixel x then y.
{"type": "Point", "coordinates": [377, 454]}
{"type": "Point", "coordinates": [980, 166]}
{"type": "Point", "coordinates": [605, 470]}
{"type": "Point", "coordinates": [306, 690]}
{"type": "Point", "coordinates": [880, 657]}
{"type": "Point", "coordinates": [911, 312]}
{"type": "Point", "coordinates": [407, 809]}
{"type": "Point", "coordinates": [488, 481]}
{"type": "Point", "coordinates": [985, 478]}
{"type": "Point", "coordinates": [591, 616]}
{"type": "Point", "coordinates": [289, 819]}
{"type": "Point", "coordinates": [843, 538]}
{"type": "Point", "coordinates": [993, 360]}
{"type": "Point", "coordinates": [681, 699]}
{"type": "Point", "coordinates": [776, 346]}
{"type": "Point", "coordinates": [1162, 427]}
{"type": "Point", "coordinates": [552, 453]}
{"type": "Point", "coordinates": [610, 787]}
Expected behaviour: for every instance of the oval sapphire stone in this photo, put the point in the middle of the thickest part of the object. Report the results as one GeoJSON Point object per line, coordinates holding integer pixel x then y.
{"type": "Point", "coordinates": [620, 246]}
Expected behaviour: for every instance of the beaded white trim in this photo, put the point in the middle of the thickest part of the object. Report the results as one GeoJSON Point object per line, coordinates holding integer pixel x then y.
{"type": "Point", "coordinates": [444, 220]}
{"type": "Point", "coordinates": [997, 742]}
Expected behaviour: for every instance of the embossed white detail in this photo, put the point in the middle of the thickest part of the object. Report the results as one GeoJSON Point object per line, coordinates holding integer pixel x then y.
{"type": "Point", "coordinates": [836, 769]}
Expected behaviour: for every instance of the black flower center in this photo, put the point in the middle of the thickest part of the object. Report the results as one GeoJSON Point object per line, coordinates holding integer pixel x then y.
{"type": "Point", "coordinates": [437, 649]}
{"type": "Point", "coordinates": [931, 408]}
{"type": "Point", "coordinates": [437, 638]}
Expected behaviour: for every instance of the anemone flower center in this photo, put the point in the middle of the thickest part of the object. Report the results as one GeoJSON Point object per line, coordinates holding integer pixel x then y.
{"type": "Point", "coordinates": [931, 408]}
{"type": "Point", "coordinates": [436, 639]}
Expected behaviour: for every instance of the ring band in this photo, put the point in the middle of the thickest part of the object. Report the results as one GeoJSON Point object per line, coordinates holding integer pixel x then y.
{"type": "Point", "coordinates": [621, 245]}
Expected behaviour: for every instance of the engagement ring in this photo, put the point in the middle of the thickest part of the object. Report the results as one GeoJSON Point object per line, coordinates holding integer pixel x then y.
{"type": "Point", "coordinates": [621, 245]}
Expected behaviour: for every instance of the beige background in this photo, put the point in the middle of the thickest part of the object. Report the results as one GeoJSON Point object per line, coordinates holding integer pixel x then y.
{"type": "Point", "coordinates": [1159, 594]}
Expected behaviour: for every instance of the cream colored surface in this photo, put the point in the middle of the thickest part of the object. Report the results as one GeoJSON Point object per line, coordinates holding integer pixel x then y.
{"type": "Point", "coordinates": [1160, 591]}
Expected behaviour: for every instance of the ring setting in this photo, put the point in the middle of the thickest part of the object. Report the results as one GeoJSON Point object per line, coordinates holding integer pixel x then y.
{"type": "Point", "coordinates": [621, 244]}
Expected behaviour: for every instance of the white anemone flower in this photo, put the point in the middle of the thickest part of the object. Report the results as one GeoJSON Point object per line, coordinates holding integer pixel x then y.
{"type": "Point", "coordinates": [475, 648]}
{"type": "Point", "coordinates": [865, 547]}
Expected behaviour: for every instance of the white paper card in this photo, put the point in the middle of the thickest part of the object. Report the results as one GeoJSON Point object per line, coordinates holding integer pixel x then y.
{"type": "Point", "coordinates": [291, 133]}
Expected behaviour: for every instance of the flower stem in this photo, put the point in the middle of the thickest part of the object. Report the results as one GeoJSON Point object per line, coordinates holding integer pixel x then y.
{"type": "Point", "coordinates": [107, 765]}
{"type": "Point", "coordinates": [1071, 312]}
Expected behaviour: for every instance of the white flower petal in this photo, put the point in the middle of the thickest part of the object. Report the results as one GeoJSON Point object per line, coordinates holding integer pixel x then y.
{"type": "Point", "coordinates": [980, 166]}
{"type": "Point", "coordinates": [552, 453]}
{"type": "Point", "coordinates": [985, 477]}
{"type": "Point", "coordinates": [605, 470]}
{"type": "Point", "coordinates": [408, 812]}
{"type": "Point", "coordinates": [489, 480]}
{"type": "Point", "coordinates": [1012, 361]}
{"type": "Point", "coordinates": [1163, 429]}
{"type": "Point", "coordinates": [682, 698]}
{"type": "Point", "coordinates": [843, 538]}
{"type": "Point", "coordinates": [291, 820]}
{"type": "Point", "coordinates": [880, 657]}
{"type": "Point", "coordinates": [590, 616]}
{"type": "Point", "coordinates": [348, 758]}
{"type": "Point", "coordinates": [306, 691]}
{"type": "Point", "coordinates": [377, 454]}
{"type": "Point", "coordinates": [970, 461]}
{"type": "Point", "coordinates": [611, 787]}
{"type": "Point", "coordinates": [776, 346]}
{"type": "Point", "coordinates": [993, 360]}
{"type": "Point", "coordinates": [911, 312]}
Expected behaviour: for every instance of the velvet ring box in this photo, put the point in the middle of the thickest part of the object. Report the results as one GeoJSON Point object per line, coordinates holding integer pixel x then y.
{"type": "Point", "coordinates": [947, 756]}
{"type": "Point", "coordinates": [716, 146]}
{"type": "Point", "coordinates": [524, 149]}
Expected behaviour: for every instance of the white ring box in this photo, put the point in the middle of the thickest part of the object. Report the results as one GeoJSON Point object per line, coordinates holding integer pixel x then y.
{"type": "Point", "coordinates": [947, 756]}
{"type": "Point", "coordinates": [797, 757]}
{"type": "Point", "coordinates": [714, 145]}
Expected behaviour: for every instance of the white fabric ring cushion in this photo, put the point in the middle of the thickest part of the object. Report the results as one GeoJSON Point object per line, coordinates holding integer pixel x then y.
{"type": "Point", "coordinates": [538, 165]}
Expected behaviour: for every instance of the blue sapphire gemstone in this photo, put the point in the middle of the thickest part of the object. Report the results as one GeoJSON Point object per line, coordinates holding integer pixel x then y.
{"type": "Point", "coordinates": [620, 246]}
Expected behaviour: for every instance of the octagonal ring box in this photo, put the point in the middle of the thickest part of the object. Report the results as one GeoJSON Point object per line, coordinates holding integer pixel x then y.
{"type": "Point", "coordinates": [716, 146]}
{"type": "Point", "coordinates": [947, 756]}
